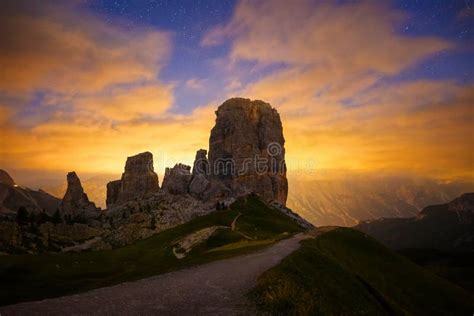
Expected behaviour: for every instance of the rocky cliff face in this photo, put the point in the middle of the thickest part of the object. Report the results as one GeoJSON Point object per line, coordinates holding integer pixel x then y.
{"type": "Point", "coordinates": [113, 191]}
{"type": "Point", "coordinates": [75, 201]}
{"type": "Point", "coordinates": [246, 150]}
{"type": "Point", "coordinates": [176, 180]}
{"type": "Point", "coordinates": [201, 164]}
{"type": "Point", "coordinates": [200, 177]}
{"type": "Point", "coordinates": [246, 155]}
{"type": "Point", "coordinates": [138, 180]}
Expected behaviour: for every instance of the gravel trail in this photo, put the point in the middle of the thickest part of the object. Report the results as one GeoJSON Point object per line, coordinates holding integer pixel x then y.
{"type": "Point", "coordinates": [216, 288]}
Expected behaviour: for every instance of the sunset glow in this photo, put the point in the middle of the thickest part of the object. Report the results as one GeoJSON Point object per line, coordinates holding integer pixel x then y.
{"type": "Point", "coordinates": [237, 157]}
{"type": "Point", "coordinates": [82, 86]}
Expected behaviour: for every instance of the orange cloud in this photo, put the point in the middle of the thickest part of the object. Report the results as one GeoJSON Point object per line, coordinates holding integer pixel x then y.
{"type": "Point", "coordinates": [100, 84]}
{"type": "Point", "coordinates": [334, 115]}
{"type": "Point", "coordinates": [99, 147]}
{"type": "Point", "coordinates": [64, 49]}
{"type": "Point", "coordinates": [422, 127]}
{"type": "Point", "coordinates": [150, 100]}
{"type": "Point", "coordinates": [351, 37]}
{"type": "Point", "coordinates": [105, 100]}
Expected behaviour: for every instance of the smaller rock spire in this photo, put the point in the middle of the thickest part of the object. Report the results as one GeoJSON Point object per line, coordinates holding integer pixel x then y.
{"type": "Point", "coordinates": [138, 179]}
{"type": "Point", "coordinates": [199, 181]}
{"type": "Point", "coordinates": [201, 164]}
{"type": "Point", "coordinates": [176, 180]}
{"type": "Point", "coordinates": [75, 200]}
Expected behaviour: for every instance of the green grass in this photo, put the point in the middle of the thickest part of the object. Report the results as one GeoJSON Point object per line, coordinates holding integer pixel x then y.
{"type": "Point", "coordinates": [32, 277]}
{"type": "Point", "coordinates": [344, 272]}
{"type": "Point", "coordinates": [242, 244]}
{"type": "Point", "coordinates": [457, 267]}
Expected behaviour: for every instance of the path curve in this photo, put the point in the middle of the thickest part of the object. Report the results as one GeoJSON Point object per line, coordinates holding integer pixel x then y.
{"type": "Point", "coordinates": [215, 288]}
{"type": "Point", "coordinates": [232, 226]}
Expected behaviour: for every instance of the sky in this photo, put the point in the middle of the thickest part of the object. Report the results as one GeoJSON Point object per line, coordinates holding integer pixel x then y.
{"type": "Point", "coordinates": [379, 86]}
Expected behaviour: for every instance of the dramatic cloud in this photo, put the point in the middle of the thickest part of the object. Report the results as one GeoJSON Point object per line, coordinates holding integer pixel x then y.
{"type": "Point", "coordinates": [332, 87]}
{"type": "Point", "coordinates": [143, 101]}
{"type": "Point", "coordinates": [352, 37]}
{"type": "Point", "coordinates": [63, 49]}
{"type": "Point", "coordinates": [79, 93]}
{"type": "Point", "coordinates": [100, 147]}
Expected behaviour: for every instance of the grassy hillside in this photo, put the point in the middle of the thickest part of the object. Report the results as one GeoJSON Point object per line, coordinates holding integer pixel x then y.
{"type": "Point", "coordinates": [31, 277]}
{"type": "Point", "coordinates": [345, 272]}
{"type": "Point", "coordinates": [457, 267]}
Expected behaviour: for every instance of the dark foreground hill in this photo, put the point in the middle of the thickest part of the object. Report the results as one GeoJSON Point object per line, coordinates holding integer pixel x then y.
{"type": "Point", "coordinates": [214, 288]}
{"type": "Point", "coordinates": [345, 272]}
{"type": "Point", "coordinates": [335, 271]}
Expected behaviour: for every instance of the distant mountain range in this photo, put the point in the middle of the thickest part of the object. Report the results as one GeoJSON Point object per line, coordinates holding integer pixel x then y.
{"type": "Point", "coordinates": [447, 226]}
{"type": "Point", "coordinates": [342, 200]}
{"type": "Point", "coordinates": [13, 196]}
{"type": "Point", "coordinates": [346, 199]}
{"type": "Point", "coordinates": [325, 200]}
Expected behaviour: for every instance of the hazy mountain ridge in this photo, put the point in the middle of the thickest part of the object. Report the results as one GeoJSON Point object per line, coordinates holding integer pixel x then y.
{"type": "Point", "coordinates": [326, 200]}
{"type": "Point", "coordinates": [333, 201]}
{"type": "Point", "coordinates": [13, 196]}
{"type": "Point", "coordinates": [448, 226]}
{"type": "Point", "coordinates": [347, 200]}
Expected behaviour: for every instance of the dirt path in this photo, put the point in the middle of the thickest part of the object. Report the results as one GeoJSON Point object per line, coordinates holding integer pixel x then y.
{"type": "Point", "coordinates": [232, 226]}
{"type": "Point", "coordinates": [216, 288]}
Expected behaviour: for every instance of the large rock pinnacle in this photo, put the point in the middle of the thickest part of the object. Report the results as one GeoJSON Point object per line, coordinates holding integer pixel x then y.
{"type": "Point", "coordinates": [75, 201]}
{"type": "Point", "coordinates": [246, 155]}
{"type": "Point", "coordinates": [138, 179]}
{"type": "Point", "coordinates": [246, 150]}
